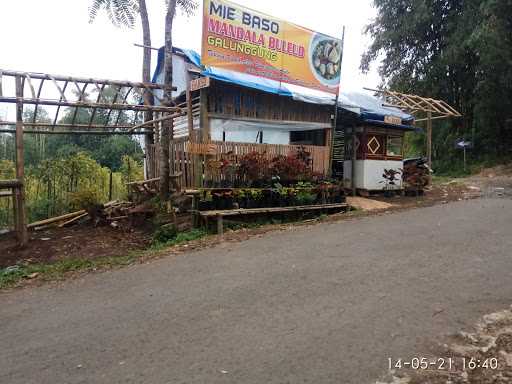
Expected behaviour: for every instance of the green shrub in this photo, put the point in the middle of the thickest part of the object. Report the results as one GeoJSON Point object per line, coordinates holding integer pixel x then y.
{"type": "Point", "coordinates": [85, 199]}
{"type": "Point", "coordinates": [165, 234]}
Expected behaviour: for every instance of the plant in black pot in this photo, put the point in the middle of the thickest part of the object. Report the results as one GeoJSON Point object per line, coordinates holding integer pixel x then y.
{"type": "Point", "coordinates": [255, 198]}
{"type": "Point", "coordinates": [339, 195]}
{"type": "Point", "coordinates": [391, 178]}
{"type": "Point", "coordinates": [305, 194]}
{"type": "Point", "coordinates": [240, 198]}
{"type": "Point", "coordinates": [266, 198]}
{"type": "Point", "coordinates": [217, 201]}
{"type": "Point", "coordinates": [278, 192]}
{"type": "Point", "coordinates": [228, 199]}
{"type": "Point", "coordinates": [323, 191]}
{"type": "Point", "coordinates": [205, 205]}
{"type": "Point", "coordinates": [291, 197]}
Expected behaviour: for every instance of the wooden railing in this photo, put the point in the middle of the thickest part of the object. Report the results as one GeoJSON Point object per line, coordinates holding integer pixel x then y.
{"type": "Point", "coordinates": [197, 161]}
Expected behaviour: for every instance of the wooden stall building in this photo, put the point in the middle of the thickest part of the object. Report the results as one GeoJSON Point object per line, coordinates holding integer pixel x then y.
{"type": "Point", "coordinates": [373, 142]}
{"type": "Point", "coordinates": [232, 114]}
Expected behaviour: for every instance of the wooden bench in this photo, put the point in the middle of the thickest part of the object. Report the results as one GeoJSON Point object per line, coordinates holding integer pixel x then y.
{"type": "Point", "coordinates": [219, 215]}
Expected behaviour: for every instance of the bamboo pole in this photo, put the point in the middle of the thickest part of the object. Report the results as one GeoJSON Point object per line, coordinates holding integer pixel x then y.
{"type": "Point", "coordinates": [429, 138]}
{"type": "Point", "coordinates": [21, 220]}
{"type": "Point", "coordinates": [57, 219]}
{"type": "Point", "coordinates": [429, 143]}
{"type": "Point", "coordinates": [121, 83]}
{"type": "Point", "coordinates": [10, 184]}
{"type": "Point", "coordinates": [75, 132]}
{"type": "Point", "coordinates": [87, 104]}
{"type": "Point", "coordinates": [354, 159]}
{"type": "Point", "coordinates": [159, 120]}
{"type": "Point", "coordinates": [335, 118]}
{"type": "Point", "coordinates": [73, 220]}
{"type": "Point", "coordinates": [164, 161]}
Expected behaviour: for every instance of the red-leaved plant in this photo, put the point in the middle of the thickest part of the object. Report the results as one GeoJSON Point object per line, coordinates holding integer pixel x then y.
{"type": "Point", "coordinates": [253, 167]}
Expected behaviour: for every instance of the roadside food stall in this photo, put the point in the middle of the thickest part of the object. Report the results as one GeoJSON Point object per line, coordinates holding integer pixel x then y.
{"type": "Point", "coordinates": [257, 90]}
{"type": "Point", "coordinates": [374, 142]}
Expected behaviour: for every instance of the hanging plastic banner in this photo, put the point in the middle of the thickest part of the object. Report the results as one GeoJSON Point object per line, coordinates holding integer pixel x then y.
{"type": "Point", "coordinates": [242, 40]}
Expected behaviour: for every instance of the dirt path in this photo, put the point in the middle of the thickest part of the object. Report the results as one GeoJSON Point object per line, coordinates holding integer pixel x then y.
{"type": "Point", "coordinates": [321, 304]}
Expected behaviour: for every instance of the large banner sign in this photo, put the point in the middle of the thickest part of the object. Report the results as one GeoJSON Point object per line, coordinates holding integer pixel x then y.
{"type": "Point", "coordinates": [242, 40]}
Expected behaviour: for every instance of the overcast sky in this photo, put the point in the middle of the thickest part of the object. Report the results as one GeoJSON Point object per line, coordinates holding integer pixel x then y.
{"type": "Point", "coordinates": [54, 36]}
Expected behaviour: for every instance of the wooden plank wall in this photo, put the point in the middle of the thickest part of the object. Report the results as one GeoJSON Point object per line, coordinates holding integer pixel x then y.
{"type": "Point", "coordinates": [235, 101]}
{"type": "Point", "coordinates": [186, 155]}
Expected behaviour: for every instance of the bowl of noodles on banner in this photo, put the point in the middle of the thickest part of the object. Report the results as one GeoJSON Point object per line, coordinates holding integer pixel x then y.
{"type": "Point", "coordinates": [324, 59]}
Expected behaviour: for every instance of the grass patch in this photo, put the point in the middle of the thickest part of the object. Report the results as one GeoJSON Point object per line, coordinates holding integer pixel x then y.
{"type": "Point", "coordinates": [12, 275]}
{"type": "Point", "coordinates": [166, 238]}
{"type": "Point", "coordinates": [258, 223]}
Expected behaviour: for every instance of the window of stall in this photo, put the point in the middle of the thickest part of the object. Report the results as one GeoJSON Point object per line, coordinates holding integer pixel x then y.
{"type": "Point", "coordinates": [394, 146]}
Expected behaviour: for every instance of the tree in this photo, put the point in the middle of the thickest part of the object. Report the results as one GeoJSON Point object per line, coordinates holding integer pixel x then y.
{"type": "Point", "coordinates": [187, 7]}
{"type": "Point", "coordinates": [455, 50]}
{"type": "Point", "coordinates": [123, 13]}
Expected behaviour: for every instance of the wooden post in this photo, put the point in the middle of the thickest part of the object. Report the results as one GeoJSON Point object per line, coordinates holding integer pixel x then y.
{"type": "Point", "coordinates": [204, 137]}
{"type": "Point", "coordinates": [464, 158]}
{"type": "Point", "coordinates": [14, 210]}
{"type": "Point", "coordinates": [330, 137]}
{"type": "Point", "coordinates": [335, 116]}
{"type": "Point", "coordinates": [429, 143]}
{"type": "Point", "coordinates": [195, 210]}
{"type": "Point", "coordinates": [190, 116]}
{"type": "Point", "coordinates": [429, 138]}
{"type": "Point", "coordinates": [354, 158]}
{"type": "Point", "coordinates": [220, 225]}
{"type": "Point", "coordinates": [205, 120]}
{"type": "Point", "coordinates": [21, 220]}
{"type": "Point", "coordinates": [164, 162]}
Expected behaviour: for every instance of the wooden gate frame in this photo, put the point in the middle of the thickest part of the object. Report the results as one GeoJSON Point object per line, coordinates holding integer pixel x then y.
{"type": "Point", "coordinates": [426, 108]}
{"type": "Point", "coordinates": [119, 103]}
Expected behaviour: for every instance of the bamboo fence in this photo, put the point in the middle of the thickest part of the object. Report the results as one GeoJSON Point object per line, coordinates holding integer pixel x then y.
{"type": "Point", "coordinates": [198, 163]}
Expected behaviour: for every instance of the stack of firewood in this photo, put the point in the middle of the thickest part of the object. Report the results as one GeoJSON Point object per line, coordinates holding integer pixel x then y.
{"type": "Point", "coordinates": [132, 213]}
{"type": "Point", "coordinates": [416, 175]}
{"type": "Point", "coordinates": [111, 212]}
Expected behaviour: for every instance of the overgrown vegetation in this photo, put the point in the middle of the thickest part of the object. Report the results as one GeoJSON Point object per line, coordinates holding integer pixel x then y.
{"type": "Point", "coordinates": [54, 271]}
{"type": "Point", "coordinates": [458, 51]}
{"type": "Point", "coordinates": [168, 236]}
{"type": "Point", "coordinates": [55, 186]}
{"type": "Point", "coordinates": [61, 168]}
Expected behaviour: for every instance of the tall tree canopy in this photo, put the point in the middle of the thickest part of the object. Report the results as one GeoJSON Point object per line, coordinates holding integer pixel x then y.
{"type": "Point", "coordinates": [456, 50]}
{"type": "Point", "coordinates": [120, 12]}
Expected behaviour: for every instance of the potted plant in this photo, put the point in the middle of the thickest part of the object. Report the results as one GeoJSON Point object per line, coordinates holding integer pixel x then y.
{"type": "Point", "coordinates": [241, 198]}
{"type": "Point", "coordinates": [255, 198]}
{"type": "Point", "coordinates": [305, 195]}
{"type": "Point", "coordinates": [252, 168]}
{"type": "Point", "coordinates": [291, 197]}
{"type": "Point", "coordinates": [279, 194]}
{"type": "Point", "coordinates": [206, 203]}
{"type": "Point", "coordinates": [390, 179]}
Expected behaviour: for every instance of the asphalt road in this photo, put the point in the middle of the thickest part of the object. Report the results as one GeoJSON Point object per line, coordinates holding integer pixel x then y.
{"type": "Point", "coordinates": [328, 303]}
